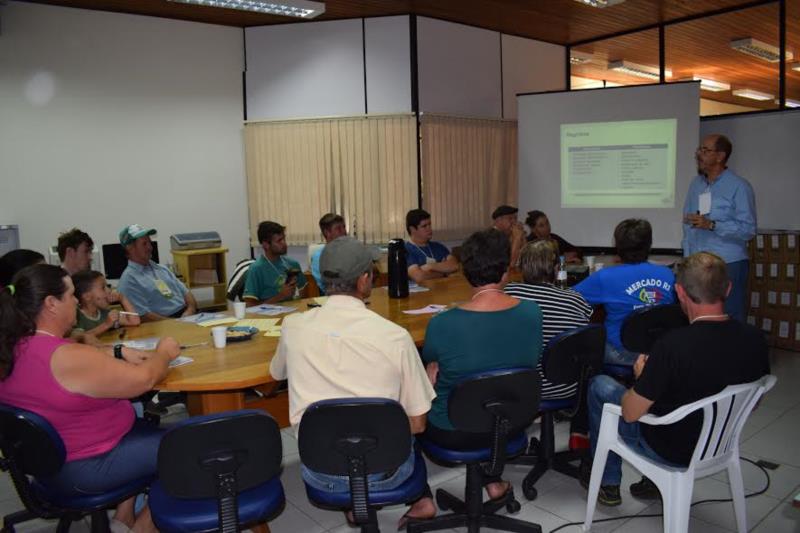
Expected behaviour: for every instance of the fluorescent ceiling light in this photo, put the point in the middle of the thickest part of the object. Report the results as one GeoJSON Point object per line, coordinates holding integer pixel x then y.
{"type": "Point", "coordinates": [577, 58]}
{"type": "Point", "coordinates": [712, 85]}
{"type": "Point", "coordinates": [759, 49]}
{"type": "Point", "coordinates": [792, 103]}
{"type": "Point", "coordinates": [600, 3]}
{"type": "Point", "coordinates": [635, 69]}
{"type": "Point", "coordinates": [795, 67]}
{"type": "Point", "coordinates": [290, 8]}
{"type": "Point", "coordinates": [753, 94]}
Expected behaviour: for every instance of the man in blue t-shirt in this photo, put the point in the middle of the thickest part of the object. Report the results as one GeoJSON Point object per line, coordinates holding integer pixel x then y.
{"type": "Point", "coordinates": [332, 227]}
{"type": "Point", "coordinates": [626, 287]}
{"type": "Point", "coordinates": [426, 259]}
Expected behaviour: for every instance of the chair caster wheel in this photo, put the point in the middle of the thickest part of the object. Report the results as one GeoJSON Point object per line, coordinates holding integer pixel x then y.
{"type": "Point", "coordinates": [529, 490]}
{"type": "Point", "coordinates": [513, 506]}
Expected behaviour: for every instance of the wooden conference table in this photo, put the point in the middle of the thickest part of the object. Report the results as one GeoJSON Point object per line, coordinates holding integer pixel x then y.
{"type": "Point", "coordinates": [237, 376]}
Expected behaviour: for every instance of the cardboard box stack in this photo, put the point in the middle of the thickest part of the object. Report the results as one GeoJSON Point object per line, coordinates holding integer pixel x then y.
{"type": "Point", "coordinates": [774, 287]}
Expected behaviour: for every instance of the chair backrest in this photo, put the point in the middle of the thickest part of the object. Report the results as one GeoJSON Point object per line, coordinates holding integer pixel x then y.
{"type": "Point", "coordinates": [311, 249]}
{"type": "Point", "coordinates": [375, 430]}
{"type": "Point", "coordinates": [235, 288]}
{"type": "Point", "coordinates": [242, 446]}
{"type": "Point", "coordinates": [724, 416]}
{"type": "Point", "coordinates": [511, 393]}
{"type": "Point", "coordinates": [643, 327]}
{"type": "Point", "coordinates": [29, 443]}
{"type": "Point", "coordinates": [574, 354]}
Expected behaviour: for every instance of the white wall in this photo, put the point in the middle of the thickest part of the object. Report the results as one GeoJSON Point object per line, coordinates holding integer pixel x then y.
{"type": "Point", "coordinates": [305, 70]}
{"type": "Point", "coordinates": [459, 69]}
{"type": "Point", "coordinates": [530, 66]}
{"type": "Point", "coordinates": [109, 119]}
{"type": "Point", "coordinates": [765, 153]}
{"type": "Point", "coordinates": [388, 54]}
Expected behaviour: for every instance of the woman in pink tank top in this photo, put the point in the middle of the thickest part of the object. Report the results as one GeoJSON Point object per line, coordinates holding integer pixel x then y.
{"type": "Point", "coordinates": [82, 391]}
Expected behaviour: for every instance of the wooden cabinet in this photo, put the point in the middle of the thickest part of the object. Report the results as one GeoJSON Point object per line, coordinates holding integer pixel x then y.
{"type": "Point", "coordinates": [204, 269]}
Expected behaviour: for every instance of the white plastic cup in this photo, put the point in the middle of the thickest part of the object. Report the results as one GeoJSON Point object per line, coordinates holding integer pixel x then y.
{"type": "Point", "coordinates": [598, 266]}
{"type": "Point", "coordinates": [239, 309]}
{"type": "Point", "coordinates": [220, 334]}
{"type": "Point", "coordinates": [589, 262]}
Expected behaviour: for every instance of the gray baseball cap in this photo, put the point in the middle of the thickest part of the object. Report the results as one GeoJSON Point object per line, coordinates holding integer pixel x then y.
{"type": "Point", "coordinates": [345, 258]}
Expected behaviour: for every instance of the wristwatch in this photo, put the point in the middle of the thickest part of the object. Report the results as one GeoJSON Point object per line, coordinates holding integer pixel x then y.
{"type": "Point", "coordinates": [118, 351]}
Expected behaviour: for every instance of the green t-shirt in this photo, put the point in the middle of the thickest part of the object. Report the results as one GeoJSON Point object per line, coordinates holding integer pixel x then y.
{"type": "Point", "coordinates": [266, 278]}
{"type": "Point", "coordinates": [87, 323]}
{"type": "Point", "coordinates": [467, 342]}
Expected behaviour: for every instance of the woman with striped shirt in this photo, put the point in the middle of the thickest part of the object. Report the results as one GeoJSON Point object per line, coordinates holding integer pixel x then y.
{"type": "Point", "coordinates": [562, 310]}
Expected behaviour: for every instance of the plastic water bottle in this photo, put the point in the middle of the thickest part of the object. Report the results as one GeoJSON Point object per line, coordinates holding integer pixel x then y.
{"type": "Point", "coordinates": [561, 276]}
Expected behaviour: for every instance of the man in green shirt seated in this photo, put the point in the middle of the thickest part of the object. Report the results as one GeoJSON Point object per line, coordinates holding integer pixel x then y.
{"type": "Point", "coordinates": [273, 277]}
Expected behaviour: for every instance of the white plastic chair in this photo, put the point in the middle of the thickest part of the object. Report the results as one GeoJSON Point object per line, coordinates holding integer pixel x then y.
{"type": "Point", "coordinates": [717, 449]}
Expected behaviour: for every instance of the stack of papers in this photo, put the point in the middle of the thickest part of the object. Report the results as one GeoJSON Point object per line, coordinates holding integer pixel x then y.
{"type": "Point", "coordinates": [428, 309]}
{"type": "Point", "coordinates": [263, 324]}
{"type": "Point", "coordinates": [270, 309]}
{"type": "Point", "coordinates": [200, 317]}
{"type": "Point", "coordinates": [145, 344]}
{"type": "Point", "coordinates": [217, 322]}
{"type": "Point", "coordinates": [274, 331]}
{"type": "Point", "coordinates": [180, 361]}
{"type": "Point", "coordinates": [413, 287]}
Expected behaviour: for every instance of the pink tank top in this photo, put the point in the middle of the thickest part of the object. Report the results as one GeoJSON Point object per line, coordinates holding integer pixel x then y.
{"type": "Point", "coordinates": [88, 426]}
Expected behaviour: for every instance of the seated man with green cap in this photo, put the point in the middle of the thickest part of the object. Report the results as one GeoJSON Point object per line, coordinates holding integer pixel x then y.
{"type": "Point", "coordinates": [151, 288]}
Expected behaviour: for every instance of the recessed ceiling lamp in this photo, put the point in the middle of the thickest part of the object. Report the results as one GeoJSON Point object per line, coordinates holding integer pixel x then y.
{"type": "Point", "coordinates": [600, 3]}
{"type": "Point", "coordinates": [795, 67]}
{"type": "Point", "coordinates": [711, 85]}
{"type": "Point", "coordinates": [578, 58]}
{"type": "Point", "coordinates": [761, 50]}
{"type": "Point", "coordinates": [752, 94]}
{"type": "Point", "coordinates": [635, 69]}
{"type": "Point", "coordinates": [305, 9]}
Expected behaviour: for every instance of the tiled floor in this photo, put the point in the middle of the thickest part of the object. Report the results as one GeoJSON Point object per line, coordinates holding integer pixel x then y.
{"type": "Point", "coordinates": [772, 433]}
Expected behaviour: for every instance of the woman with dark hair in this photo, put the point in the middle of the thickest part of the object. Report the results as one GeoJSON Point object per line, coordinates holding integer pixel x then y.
{"type": "Point", "coordinates": [491, 331]}
{"type": "Point", "coordinates": [633, 284]}
{"type": "Point", "coordinates": [79, 389]}
{"type": "Point", "coordinates": [14, 261]}
{"type": "Point", "coordinates": [539, 224]}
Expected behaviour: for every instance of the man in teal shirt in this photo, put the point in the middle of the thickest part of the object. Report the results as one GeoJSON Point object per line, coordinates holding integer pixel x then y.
{"type": "Point", "coordinates": [273, 277]}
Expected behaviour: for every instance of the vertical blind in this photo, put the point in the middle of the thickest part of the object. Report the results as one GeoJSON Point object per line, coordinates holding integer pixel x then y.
{"type": "Point", "coordinates": [364, 168]}
{"type": "Point", "coordinates": [469, 167]}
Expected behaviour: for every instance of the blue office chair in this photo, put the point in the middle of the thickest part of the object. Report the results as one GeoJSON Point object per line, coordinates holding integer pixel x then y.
{"type": "Point", "coordinates": [356, 437]}
{"type": "Point", "coordinates": [571, 357]}
{"type": "Point", "coordinates": [499, 404]}
{"type": "Point", "coordinates": [641, 329]}
{"type": "Point", "coordinates": [217, 473]}
{"type": "Point", "coordinates": [32, 452]}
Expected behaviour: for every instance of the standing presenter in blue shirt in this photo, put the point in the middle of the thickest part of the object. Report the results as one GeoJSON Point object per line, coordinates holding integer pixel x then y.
{"type": "Point", "coordinates": [719, 216]}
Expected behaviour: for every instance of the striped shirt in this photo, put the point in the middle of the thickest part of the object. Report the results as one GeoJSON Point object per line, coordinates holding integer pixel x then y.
{"type": "Point", "coordinates": [562, 310]}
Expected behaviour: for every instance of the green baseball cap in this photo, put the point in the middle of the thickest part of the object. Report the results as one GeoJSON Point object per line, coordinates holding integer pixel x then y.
{"type": "Point", "coordinates": [345, 258]}
{"type": "Point", "coordinates": [133, 232]}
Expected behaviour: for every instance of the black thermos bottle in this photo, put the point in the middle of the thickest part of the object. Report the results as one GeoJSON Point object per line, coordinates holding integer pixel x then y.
{"type": "Point", "coordinates": [398, 269]}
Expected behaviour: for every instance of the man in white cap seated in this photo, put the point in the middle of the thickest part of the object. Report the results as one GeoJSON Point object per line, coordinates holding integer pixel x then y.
{"type": "Point", "coordinates": [153, 289]}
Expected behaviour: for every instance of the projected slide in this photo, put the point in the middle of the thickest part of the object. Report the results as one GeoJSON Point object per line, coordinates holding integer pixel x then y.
{"type": "Point", "coordinates": [618, 164]}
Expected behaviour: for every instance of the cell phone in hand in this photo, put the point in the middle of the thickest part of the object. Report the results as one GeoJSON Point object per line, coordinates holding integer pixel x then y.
{"type": "Point", "coordinates": [291, 275]}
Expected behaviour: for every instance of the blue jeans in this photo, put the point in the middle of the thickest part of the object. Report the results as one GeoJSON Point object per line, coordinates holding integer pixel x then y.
{"type": "Point", "coordinates": [134, 457]}
{"type": "Point", "coordinates": [736, 302]}
{"type": "Point", "coordinates": [619, 356]}
{"type": "Point", "coordinates": [602, 390]}
{"type": "Point", "coordinates": [375, 482]}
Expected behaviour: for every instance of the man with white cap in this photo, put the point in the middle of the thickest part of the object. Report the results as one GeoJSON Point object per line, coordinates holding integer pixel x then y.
{"type": "Point", "coordinates": [153, 289]}
{"type": "Point", "coordinates": [343, 349]}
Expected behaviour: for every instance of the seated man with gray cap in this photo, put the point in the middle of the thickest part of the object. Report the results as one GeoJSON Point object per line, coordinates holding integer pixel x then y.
{"type": "Point", "coordinates": [344, 350]}
{"type": "Point", "coordinates": [151, 288]}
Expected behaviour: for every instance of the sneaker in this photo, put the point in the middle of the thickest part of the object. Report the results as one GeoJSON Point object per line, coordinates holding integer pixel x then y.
{"type": "Point", "coordinates": [609, 495]}
{"type": "Point", "coordinates": [645, 490]}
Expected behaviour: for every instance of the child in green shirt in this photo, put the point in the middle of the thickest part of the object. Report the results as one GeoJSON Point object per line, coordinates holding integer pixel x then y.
{"type": "Point", "coordinates": [94, 301]}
